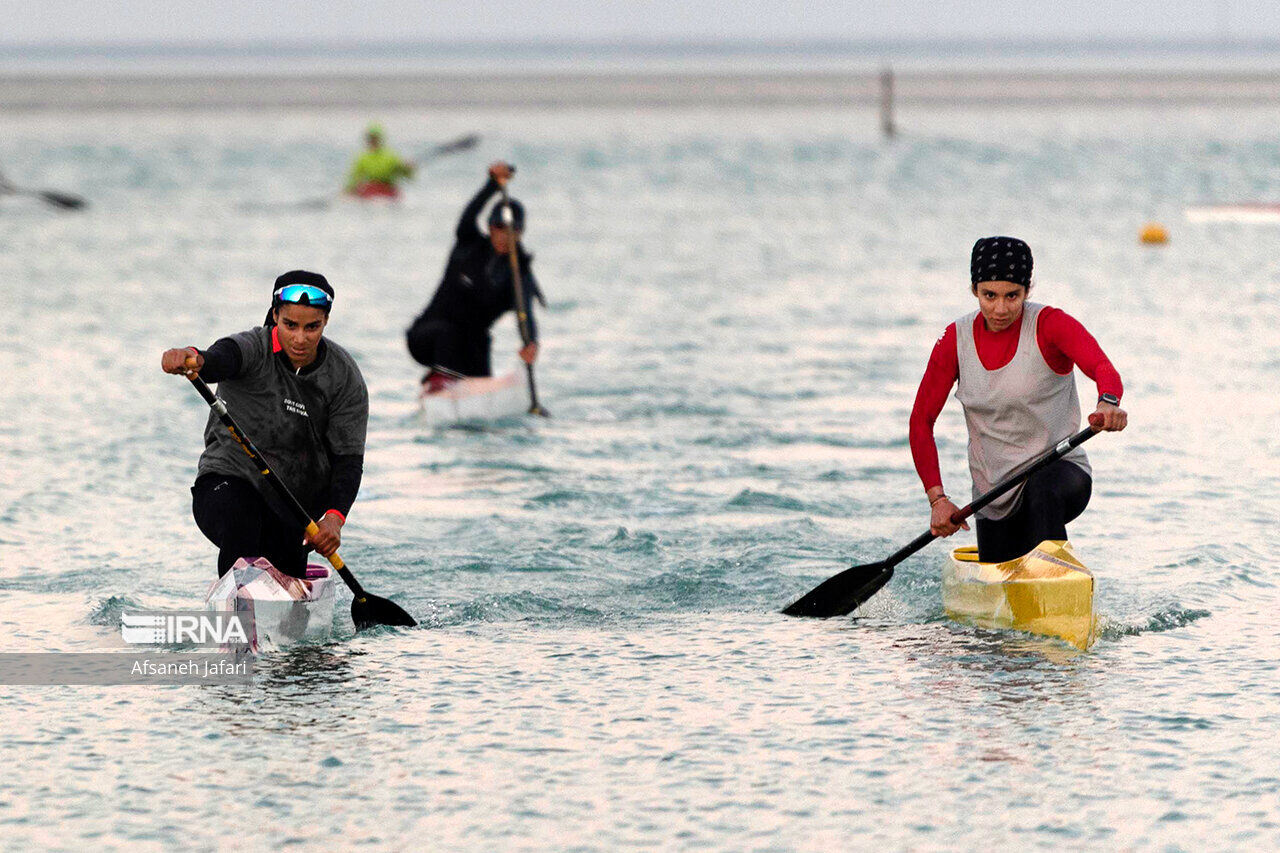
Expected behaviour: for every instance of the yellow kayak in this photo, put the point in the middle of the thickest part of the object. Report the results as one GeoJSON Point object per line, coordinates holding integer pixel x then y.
{"type": "Point", "coordinates": [1047, 591]}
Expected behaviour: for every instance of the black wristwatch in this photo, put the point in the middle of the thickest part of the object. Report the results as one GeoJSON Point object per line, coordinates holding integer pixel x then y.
{"type": "Point", "coordinates": [1109, 398]}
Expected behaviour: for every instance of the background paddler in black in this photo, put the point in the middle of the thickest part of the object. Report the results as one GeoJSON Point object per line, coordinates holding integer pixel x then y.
{"type": "Point", "coordinates": [480, 284]}
{"type": "Point", "coordinates": [302, 399]}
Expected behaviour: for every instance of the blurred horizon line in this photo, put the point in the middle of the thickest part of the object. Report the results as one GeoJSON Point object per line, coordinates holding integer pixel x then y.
{"type": "Point", "coordinates": [303, 46]}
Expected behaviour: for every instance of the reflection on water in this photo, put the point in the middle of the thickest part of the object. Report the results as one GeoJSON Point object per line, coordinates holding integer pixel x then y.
{"type": "Point", "coordinates": [295, 689]}
{"type": "Point", "coordinates": [308, 668]}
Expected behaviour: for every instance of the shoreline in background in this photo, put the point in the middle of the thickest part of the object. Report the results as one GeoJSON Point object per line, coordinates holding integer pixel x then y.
{"type": "Point", "coordinates": [586, 74]}
{"type": "Point", "coordinates": [82, 92]}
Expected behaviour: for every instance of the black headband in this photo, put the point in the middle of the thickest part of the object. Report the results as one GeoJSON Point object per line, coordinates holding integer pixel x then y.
{"type": "Point", "coordinates": [1000, 259]}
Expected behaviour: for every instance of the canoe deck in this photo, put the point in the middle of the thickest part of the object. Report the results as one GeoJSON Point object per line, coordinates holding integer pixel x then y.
{"type": "Point", "coordinates": [285, 609]}
{"type": "Point", "coordinates": [472, 399]}
{"type": "Point", "coordinates": [1047, 592]}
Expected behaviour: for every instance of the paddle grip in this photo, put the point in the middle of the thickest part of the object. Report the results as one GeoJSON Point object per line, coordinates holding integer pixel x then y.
{"type": "Point", "coordinates": [339, 566]}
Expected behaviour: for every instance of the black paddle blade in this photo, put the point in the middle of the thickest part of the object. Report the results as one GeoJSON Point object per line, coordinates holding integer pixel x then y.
{"type": "Point", "coordinates": [537, 409]}
{"type": "Point", "coordinates": [63, 200]}
{"type": "Point", "coordinates": [457, 145]}
{"type": "Point", "coordinates": [372, 611]}
{"type": "Point", "coordinates": [843, 593]}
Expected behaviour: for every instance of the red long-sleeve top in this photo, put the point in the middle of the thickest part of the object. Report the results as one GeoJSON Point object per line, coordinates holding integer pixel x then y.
{"type": "Point", "coordinates": [1063, 342]}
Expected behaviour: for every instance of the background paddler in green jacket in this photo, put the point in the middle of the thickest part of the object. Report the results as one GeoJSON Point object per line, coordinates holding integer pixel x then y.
{"type": "Point", "coordinates": [377, 172]}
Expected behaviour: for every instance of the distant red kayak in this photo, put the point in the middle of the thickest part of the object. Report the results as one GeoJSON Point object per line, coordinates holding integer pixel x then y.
{"type": "Point", "coordinates": [376, 189]}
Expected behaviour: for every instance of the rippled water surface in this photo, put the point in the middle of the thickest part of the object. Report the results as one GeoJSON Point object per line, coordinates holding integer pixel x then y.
{"type": "Point", "coordinates": [741, 307]}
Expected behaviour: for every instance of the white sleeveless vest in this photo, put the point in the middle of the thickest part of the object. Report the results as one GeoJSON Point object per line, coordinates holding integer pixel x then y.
{"type": "Point", "coordinates": [1015, 412]}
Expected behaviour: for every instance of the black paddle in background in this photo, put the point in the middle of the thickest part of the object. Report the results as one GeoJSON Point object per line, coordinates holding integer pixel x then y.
{"type": "Point", "coordinates": [453, 146]}
{"type": "Point", "coordinates": [462, 143]}
{"type": "Point", "coordinates": [846, 592]}
{"type": "Point", "coordinates": [66, 201]}
{"type": "Point", "coordinates": [367, 610]}
{"type": "Point", "coordinates": [522, 312]}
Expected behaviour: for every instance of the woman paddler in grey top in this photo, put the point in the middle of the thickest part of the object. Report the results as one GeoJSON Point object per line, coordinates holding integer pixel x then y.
{"type": "Point", "coordinates": [1013, 364]}
{"type": "Point", "coordinates": [302, 400]}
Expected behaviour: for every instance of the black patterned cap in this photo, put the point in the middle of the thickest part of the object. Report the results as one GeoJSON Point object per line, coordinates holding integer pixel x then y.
{"type": "Point", "coordinates": [1000, 259]}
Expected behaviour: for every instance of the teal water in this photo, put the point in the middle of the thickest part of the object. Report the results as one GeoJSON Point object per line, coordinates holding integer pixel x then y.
{"type": "Point", "coordinates": [741, 306]}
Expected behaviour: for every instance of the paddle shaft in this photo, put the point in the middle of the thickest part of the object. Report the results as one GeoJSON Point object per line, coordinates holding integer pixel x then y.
{"type": "Point", "coordinates": [1059, 450]}
{"type": "Point", "coordinates": [522, 310]}
{"type": "Point", "coordinates": [300, 512]}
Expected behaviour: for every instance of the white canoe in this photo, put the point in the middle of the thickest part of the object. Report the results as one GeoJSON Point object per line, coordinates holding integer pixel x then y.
{"type": "Point", "coordinates": [1047, 591]}
{"type": "Point", "coordinates": [285, 609]}
{"type": "Point", "coordinates": [476, 399]}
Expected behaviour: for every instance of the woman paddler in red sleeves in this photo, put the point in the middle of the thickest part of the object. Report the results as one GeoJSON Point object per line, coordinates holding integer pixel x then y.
{"type": "Point", "coordinates": [1012, 361]}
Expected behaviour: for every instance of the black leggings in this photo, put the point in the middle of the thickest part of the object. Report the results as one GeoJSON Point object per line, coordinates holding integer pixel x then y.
{"type": "Point", "coordinates": [1052, 497]}
{"type": "Point", "coordinates": [439, 343]}
{"type": "Point", "coordinates": [232, 515]}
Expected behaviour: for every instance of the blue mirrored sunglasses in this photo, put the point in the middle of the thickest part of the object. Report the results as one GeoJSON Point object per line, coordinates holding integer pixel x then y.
{"type": "Point", "coordinates": [304, 294]}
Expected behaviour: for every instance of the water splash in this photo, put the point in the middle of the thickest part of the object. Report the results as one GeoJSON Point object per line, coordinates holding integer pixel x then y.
{"type": "Point", "coordinates": [1160, 618]}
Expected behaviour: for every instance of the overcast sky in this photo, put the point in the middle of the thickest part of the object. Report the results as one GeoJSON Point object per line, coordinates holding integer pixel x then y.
{"type": "Point", "coordinates": [113, 21]}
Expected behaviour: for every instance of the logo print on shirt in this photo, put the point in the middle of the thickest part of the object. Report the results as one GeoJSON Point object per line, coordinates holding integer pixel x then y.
{"type": "Point", "coordinates": [294, 407]}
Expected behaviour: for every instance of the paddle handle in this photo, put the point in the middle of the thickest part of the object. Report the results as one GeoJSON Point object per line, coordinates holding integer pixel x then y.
{"type": "Point", "coordinates": [299, 511]}
{"type": "Point", "coordinates": [339, 566]}
{"type": "Point", "coordinates": [1058, 451]}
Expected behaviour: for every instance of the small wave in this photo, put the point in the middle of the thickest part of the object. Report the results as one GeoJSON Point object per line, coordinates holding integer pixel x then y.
{"type": "Point", "coordinates": [483, 425]}
{"type": "Point", "coordinates": [502, 607]}
{"type": "Point", "coordinates": [1166, 618]}
{"type": "Point", "coordinates": [684, 589]}
{"type": "Point", "coordinates": [762, 392]}
{"type": "Point", "coordinates": [777, 437]}
{"type": "Point", "coordinates": [559, 497]}
{"type": "Point", "coordinates": [107, 611]}
{"type": "Point", "coordinates": [480, 566]}
{"type": "Point", "coordinates": [783, 532]}
{"type": "Point", "coordinates": [680, 408]}
{"type": "Point", "coordinates": [694, 409]}
{"type": "Point", "coordinates": [471, 464]}
{"type": "Point", "coordinates": [750, 498]}
{"type": "Point", "coordinates": [633, 543]}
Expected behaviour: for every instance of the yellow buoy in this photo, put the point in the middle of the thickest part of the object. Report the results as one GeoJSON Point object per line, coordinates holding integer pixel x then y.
{"type": "Point", "coordinates": [1153, 233]}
